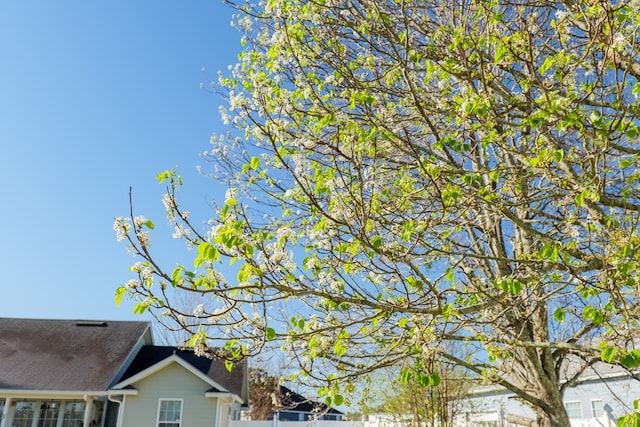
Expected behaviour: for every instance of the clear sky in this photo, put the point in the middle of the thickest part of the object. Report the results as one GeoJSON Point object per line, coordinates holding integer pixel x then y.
{"type": "Point", "coordinates": [97, 96]}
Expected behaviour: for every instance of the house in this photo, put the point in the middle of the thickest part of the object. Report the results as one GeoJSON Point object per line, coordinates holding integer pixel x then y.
{"type": "Point", "coordinates": [293, 406]}
{"type": "Point", "coordinates": [601, 394]}
{"type": "Point", "coordinates": [64, 373]}
{"type": "Point", "coordinates": [184, 389]}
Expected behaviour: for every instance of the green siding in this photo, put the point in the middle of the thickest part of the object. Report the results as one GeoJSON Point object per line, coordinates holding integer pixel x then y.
{"type": "Point", "coordinates": [172, 382]}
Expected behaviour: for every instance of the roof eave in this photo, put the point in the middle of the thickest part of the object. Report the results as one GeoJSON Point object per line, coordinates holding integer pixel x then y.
{"type": "Point", "coordinates": [234, 398]}
{"type": "Point", "coordinates": [123, 392]}
{"type": "Point", "coordinates": [161, 365]}
{"type": "Point", "coordinates": [4, 392]}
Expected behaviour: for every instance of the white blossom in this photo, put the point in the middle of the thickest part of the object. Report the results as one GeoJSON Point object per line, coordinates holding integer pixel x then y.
{"type": "Point", "coordinates": [122, 226]}
{"type": "Point", "coordinates": [230, 194]}
{"type": "Point", "coordinates": [132, 284]}
{"type": "Point", "coordinates": [198, 310]}
{"type": "Point", "coordinates": [561, 14]}
{"type": "Point", "coordinates": [139, 220]}
{"type": "Point", "coordinates": [143, 238]}
{"type": "Point", "coordinates": [181, 231]}
{"type": "Point", "coordinates": [619, 41]}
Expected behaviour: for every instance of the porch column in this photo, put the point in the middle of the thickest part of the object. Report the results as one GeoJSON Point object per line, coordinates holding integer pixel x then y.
{"type": "Point", "coordinates": [4, 422]}
{"type": "Point", "coordinates": [88, 411]}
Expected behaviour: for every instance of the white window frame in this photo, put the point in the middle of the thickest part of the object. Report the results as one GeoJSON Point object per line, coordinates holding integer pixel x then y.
{"type": "Point", "coordinates": [35, 411]}
{"type": "Point", "coordinates": [169, 399]}
{"type": "Point", "coordinates": [53, 409]}
{"type": "Point", "coordinates": [579, 402]}
{"type": "Point", "coordinates": [591, 402]}
{"type": "Point", "coordinates": [63, 412]}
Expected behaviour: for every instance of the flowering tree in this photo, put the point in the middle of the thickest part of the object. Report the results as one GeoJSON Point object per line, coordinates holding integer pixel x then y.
{"type": "Point", "coordinates": [410, 404]}
{"type": "Point", "coordinates": [403, 175]}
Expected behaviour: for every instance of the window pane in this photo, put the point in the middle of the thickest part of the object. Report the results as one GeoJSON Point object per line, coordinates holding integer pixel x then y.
{"type": "Point", "coordinates": [73, 414]}
{"type": "Point", "coordinates": [23, 416]}
{"type": "Point", "coordinates": [98, 412]}
{"type": "Point", "coordinates": [574, 410]}
{"type": "Point", "coordinates": [48, 414]}
{"type": "Point", "coordinates": [170, 413]}
{"type": "Point", "coordinates": [596, 408]}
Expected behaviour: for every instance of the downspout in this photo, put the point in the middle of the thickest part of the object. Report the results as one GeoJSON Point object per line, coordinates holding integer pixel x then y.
{"type": "Point", "coordinates": [120, 408]}
{"type": "Point", "coordinates": [218, 413]}
{"type": "Point", "coordinates": [88, 411]}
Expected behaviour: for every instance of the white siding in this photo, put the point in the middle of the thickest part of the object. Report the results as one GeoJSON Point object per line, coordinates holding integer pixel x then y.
{"type": "Point", "coordinates": [617, 396]}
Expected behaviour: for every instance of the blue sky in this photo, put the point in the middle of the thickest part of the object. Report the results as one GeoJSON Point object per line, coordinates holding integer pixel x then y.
{"type": "Point", "coordinates": [97, 96]}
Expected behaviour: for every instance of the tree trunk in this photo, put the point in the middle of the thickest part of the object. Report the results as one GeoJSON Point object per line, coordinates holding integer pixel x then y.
{"type": "Point", "coordinates": [557, 418]}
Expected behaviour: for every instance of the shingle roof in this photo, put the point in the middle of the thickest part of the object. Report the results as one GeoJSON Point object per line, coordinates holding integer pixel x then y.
{"type": "Point", "coordinates": [64, 355]}
{"type": "Point", "coordinates": [233, 381]}
{"type": "Point", "coordinates": [293, 401]}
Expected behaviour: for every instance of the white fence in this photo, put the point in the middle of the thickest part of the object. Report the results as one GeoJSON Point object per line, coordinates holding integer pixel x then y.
{"type": "Point", "coordinates": [282, 423]}
{"type": "Point", "coordinates": [594, 422]}
{"type": "Point", "coordinates": [474, 420]}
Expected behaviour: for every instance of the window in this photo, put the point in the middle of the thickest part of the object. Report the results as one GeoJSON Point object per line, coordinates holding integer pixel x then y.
{"type": "Point", "coordinates": [23, 416]}
{"type": "Point", "coordinates": [73, 415]}
{"type": "Point", "coordinates": [48, 414]}
{"type": "Point", "coordinates": [596, 408]}
{"type": "Point", "coordinates": [574, 410]}
{"type": "Point", "coordinates": [170, 413]}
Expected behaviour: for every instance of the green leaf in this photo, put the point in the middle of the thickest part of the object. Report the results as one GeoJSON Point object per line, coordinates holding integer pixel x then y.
{"type": "Point", "coordinates": [228, 364]}
{"type": "Point", "coordinates": [206, 251]}
{"type": "Point", "coordinates": [141, 307]}
{"type": "Point", "coordinates": [244, 273]}
{"type": "Point", "coordinates": [435, 379]}
{"type": "Point", "coordinates": [558, 154]}
{"type": "Point", "coordinates": [340, 348]}
{"type": "Point", "coordinates": [631, 360]}
{"type": "Point", "coordinates": [338, 399]}
{"type": "Point", "coordinates": [255, 163]}
{"type": "Point", "coordinates": [119, 294]}
{"type": "Point", "coordinates": [163, 176]}
{"type": "Point", "coordinates": [608, 354]}
{"type": "Point", "coordinates": [450, 275]}
{"type": "Point", "coordinates": [405, 375]}
{"type": "Point", "coordinates": [376, 242]}
{"type": "Point", "coordinates": [511, 286]}
{"type": "Point", "coordinates": [559, 314]}
{"type": "Point", "coordinates": [270, 334]}
{"type": "Point", "coordinates": [496, 18]}
{"type": "Point", "coordinates": [593, 314]}
{"type": "Point", "coordinates": [176, 274]}
{"type": "Point", "coordinates": [625, 163]}
{"type": "Point", "coordinates": [549, 251]}
{"type": "Point", "coordinates": [501, 52]}
{"type": "Point", "coordinates": [546, 65]}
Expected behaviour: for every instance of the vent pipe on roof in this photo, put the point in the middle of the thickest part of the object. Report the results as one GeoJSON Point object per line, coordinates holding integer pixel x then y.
{"type": "Point", "coordinates": [91, 323]}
